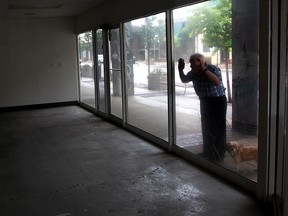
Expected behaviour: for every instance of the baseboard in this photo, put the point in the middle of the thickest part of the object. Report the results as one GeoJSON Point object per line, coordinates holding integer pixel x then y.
{"type": "Point", "coordinates": [38, 106]}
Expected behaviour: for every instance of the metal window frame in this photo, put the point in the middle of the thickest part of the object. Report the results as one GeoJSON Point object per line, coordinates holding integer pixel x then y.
{"type": "Point", "coordinates": [282, 160]}
{"type": "Point", "coordinates": [269, 100]}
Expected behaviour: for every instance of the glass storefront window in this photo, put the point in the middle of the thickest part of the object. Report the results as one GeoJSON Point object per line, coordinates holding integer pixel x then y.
{"type": "Point", "coordinates": [226, 34]}
{"type": "Point", "coordinates": [115, 73]}
{"type": "Point", "coordinates": [146, 72]}
{"type": "Point", "coordinates": [230, 42]}
{"type": "Point", "coordinates": [100, 71]}
{"type": "Point", "coordinates": [86, 68]}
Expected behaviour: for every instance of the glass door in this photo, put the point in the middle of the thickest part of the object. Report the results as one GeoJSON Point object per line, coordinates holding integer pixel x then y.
{"type": "Point", "coordinates": [115, 73]}
{"type": "Point", "coordinates": [101, 76]}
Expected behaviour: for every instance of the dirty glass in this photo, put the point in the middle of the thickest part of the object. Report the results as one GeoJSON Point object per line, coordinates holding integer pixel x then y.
{"type": "Point", "coordinates": [229, 41]}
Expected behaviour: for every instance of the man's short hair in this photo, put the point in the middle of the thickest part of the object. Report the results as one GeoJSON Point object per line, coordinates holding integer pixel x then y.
{"type": "Point", "coordinates": [197, 56]}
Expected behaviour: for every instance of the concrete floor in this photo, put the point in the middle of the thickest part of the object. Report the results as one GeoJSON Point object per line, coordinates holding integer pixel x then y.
{"type": "Point", "coordinates": [66, 161]}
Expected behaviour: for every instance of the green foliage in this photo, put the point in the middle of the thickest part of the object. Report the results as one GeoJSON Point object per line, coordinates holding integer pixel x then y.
{"type": "Point", "coordinates": [152, 34]}
{"type": "Point", "coordinates": [215, 23]}
{"type": "Point", "coordinates": [147, 32]}
{"type": "Point", "coordinates": [157, 72]}
{"type": "Point", "coordinates": [85, 42]}
{"type": "Point", "coordinates": [86, 70]}
{"type": "Point", "coordinates": [177, 42]}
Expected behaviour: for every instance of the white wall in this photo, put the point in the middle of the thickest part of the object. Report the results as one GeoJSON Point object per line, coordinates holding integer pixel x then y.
{"type": "Point", "coordinates": [37, 61]}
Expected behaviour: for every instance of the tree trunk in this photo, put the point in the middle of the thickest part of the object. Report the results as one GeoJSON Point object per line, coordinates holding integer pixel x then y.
{"type": "Point", "coordinates": [227, 76]}
{"type": "Point", "coordinates": [148, 60]}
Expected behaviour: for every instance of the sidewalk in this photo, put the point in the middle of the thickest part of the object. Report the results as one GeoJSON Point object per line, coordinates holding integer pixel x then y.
{"type": "Point", "coordinates": [189, 135]}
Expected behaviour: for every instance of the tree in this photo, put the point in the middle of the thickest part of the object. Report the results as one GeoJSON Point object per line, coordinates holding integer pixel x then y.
{"type": "Point", "coordinates": [85, 43]}
{"type": "Point", "coordinates": [147, 32]}
{"type": "Point", "coordinates": [152, 34]}
{"type": "Point", "coordinates": [182, 42]}
{"type": "Point", "coordinates": [215, 23]}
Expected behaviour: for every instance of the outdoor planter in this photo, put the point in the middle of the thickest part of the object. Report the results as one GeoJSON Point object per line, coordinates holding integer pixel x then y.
{"type": "Point", "coordinates": [157, 80]}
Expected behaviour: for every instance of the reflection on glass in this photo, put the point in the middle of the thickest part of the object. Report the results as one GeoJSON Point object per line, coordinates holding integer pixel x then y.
{"type": "Point", "coordinates": [115, 73]}
{"type": "Point", "coordinates": [146, 72]}
{"type": "Point", "coordinates": [209, 28]}
{"type": "Point", "coordinates": [100, 71]}
{"type": "Point", "coordinates": [86, 68]}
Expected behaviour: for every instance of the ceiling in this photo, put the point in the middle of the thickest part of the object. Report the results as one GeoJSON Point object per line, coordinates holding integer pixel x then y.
{"type": "Point", "coordinates": [45, 8]}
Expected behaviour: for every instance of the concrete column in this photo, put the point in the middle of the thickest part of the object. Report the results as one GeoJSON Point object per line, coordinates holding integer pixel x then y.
{"type": "Point", "coordinates": [245, 20]}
